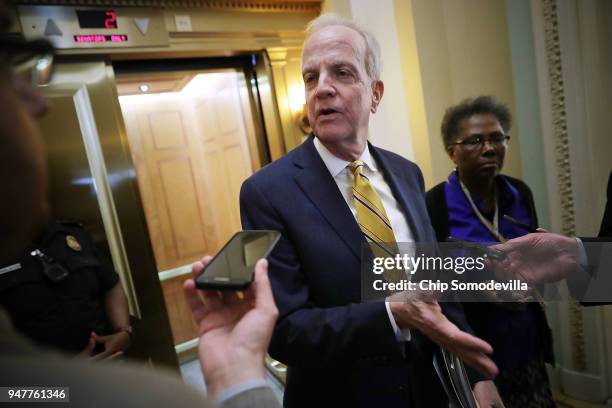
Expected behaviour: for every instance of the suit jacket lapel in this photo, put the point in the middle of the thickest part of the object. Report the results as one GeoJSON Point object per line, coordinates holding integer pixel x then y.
{"type": "Point", "coordinates": [319, 186]}
{"type": "Point", "coordinates": [402, 190]}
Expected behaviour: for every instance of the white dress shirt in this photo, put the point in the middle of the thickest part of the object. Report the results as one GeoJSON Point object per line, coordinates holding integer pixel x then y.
{"type": "Point", "coordinates": [343, 177]}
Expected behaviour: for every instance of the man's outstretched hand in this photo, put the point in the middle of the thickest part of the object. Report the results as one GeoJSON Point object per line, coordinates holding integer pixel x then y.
{"type": "Point", "coordinates": [538, 258]}
{"type": "Point", "coordinates": [234, 328]}
{"type": "Point", "coordinates": [427, 317]}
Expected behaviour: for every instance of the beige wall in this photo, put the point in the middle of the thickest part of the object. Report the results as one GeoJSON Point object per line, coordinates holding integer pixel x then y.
{"type": "Point", "coordinates": [289, 90]}
{"type": "Point", "coordinates": [389, 127]}
{"type": "Point", "coordinates": [340, 7]}
{"type": "Point", "coordinates": [463, 50]}
{"type": "Point", "coordinates": [447, 50]}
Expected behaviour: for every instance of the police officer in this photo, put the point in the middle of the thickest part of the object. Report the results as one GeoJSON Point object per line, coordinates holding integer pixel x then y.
{"type": "Point", "coordinates": [62, 293]}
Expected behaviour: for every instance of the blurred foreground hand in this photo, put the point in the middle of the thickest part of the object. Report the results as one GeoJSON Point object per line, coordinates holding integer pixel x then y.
{"type": "Point", "coordinates": [234, 328]}
{"type": "Point", "coordinates": [541, 257]}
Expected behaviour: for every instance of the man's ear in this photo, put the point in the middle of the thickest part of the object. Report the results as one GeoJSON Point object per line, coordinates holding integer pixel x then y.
{"type": "Point", "coordinates": [378, 89]}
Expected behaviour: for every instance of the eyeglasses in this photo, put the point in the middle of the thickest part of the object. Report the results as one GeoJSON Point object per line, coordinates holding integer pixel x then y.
{"type": "Point", "coordinates": [478, 141]}
{"type": "Point", "coordinates": [29, 59]}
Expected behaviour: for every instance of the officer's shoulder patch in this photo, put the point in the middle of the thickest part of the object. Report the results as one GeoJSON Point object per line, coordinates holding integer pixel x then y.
{"type": "Point", "coordinates": [73, 243]}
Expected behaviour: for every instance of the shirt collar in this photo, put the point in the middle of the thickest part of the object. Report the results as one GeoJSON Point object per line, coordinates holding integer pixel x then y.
{"type": "Point", "coordinates": [335, 165]}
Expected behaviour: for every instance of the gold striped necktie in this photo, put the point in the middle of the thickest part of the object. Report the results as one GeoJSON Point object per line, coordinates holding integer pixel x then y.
{"type": "Point", "coordinates": [372, 218]}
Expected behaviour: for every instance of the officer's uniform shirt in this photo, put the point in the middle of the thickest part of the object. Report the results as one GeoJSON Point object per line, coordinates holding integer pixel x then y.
{"type": "Point", "coordinates": [59, 314]}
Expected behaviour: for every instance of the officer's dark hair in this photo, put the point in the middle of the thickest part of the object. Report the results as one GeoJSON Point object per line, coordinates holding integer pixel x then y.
{"type": "Point", "coordinates": [484, 104]}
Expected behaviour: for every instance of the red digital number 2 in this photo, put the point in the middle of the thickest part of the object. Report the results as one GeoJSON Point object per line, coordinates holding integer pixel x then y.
{"type": "Point", "coordinates": [111, 21]}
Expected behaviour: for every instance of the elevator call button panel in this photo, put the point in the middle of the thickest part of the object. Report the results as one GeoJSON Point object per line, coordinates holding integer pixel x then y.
{"type": "Point", "coordinates": [94, 27]}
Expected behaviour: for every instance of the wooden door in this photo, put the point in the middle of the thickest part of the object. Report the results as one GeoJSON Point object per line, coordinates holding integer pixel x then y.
{"type": "Point", "coordinates": [191, 153]}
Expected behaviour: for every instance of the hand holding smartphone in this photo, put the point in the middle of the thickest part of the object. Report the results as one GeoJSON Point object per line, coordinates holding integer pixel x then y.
{"type": "Point", "coordinates": [234, 328]}
{"type": "Point", "coordinates": [233, 267]}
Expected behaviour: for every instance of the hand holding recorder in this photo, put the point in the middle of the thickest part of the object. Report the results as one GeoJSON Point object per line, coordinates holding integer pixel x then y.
{"type": "Point", "coordinates": [539, 258]}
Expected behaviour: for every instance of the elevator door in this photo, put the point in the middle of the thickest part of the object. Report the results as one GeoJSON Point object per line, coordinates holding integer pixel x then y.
{"type": "Point", "coordinates": [193, 142]}
{"type": "Point", "coordinates": [92, 181]}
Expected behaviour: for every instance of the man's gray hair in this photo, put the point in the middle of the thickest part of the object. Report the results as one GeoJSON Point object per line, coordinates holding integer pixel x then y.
{"type": "Point", "coordinates": [373, 62]}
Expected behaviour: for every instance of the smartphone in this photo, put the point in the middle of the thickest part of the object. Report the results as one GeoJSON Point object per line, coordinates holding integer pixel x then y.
{"type": "Point", "coordinates": [233, 268]}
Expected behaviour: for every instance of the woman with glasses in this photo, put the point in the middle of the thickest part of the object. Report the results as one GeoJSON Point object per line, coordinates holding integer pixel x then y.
{"type": "Point", "coordinates": [470, 206]}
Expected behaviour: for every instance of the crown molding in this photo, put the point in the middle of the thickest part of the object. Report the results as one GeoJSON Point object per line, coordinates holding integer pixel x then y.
{"type": "Point", "coordinates": [250, 6]}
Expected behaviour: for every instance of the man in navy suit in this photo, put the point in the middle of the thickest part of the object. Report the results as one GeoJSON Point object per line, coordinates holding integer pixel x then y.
{"type": "Point", "coordinates": [341, 352]}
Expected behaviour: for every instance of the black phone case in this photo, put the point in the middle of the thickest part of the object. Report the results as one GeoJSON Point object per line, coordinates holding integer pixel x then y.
{"type": "Point", "coordinates": [229, 285]}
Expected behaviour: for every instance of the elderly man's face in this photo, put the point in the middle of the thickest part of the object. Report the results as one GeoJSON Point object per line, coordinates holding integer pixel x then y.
{"type": "Point", "coordinates": [23, 178]}
{"type": "Point", "coordinates": [339, 92]}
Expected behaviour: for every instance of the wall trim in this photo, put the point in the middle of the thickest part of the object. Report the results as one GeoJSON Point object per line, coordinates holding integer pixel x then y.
{"type": "Point", "coordinates": [250, 6]}
{"type": "Point", "coordinates": [562, 162]}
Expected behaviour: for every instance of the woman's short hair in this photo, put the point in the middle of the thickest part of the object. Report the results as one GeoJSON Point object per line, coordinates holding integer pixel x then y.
{"type": "Point", "coordinates": [484, 104]}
